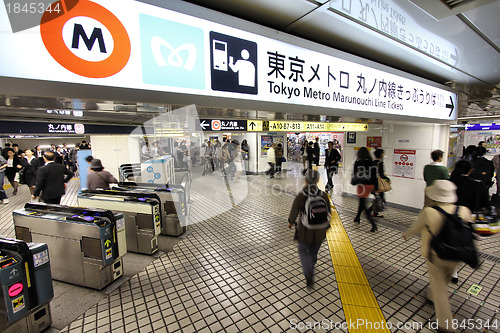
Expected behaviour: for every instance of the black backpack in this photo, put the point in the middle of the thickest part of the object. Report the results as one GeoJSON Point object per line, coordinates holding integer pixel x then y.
{"type": "Point", "coordinates": [455, 241]}
{"type": "Point", "coordinates": [316, 213]}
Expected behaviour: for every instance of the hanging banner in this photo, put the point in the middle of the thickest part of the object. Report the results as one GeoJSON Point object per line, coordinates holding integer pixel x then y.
{"type": "Point", "coordinates": [404, 163]}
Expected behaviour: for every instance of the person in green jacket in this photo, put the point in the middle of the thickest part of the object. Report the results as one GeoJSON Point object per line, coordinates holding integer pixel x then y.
{"type": "Point", "coordinates": [433, 171]}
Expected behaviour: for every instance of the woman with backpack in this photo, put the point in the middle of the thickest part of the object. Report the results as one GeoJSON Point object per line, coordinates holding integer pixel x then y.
{"type": "Point", "coordinates": [310, 238]}
{"type": "Point", "coordinates": [429, 223]}
{"type": "Point", "coordinates": [364, 177]}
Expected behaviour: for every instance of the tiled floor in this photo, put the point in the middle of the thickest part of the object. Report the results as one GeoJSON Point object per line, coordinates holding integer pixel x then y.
{"type": "Point", "coordinates": [238, 270]}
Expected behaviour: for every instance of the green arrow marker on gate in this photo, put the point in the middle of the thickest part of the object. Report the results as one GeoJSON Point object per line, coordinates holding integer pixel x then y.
{"type": "Point", "coordinates": [474, 289]}
{"type": "Point", "coordinates": [107, 243]}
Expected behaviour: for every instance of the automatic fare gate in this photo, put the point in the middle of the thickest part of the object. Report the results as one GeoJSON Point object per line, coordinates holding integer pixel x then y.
{"type": "Point", "coordinates": [86, 245]}
{"type": "Point", "coordinates": [141, 212]}
{"type": "Point", "coordinates": [174, 212]}
{"type": "Point", "coordinates": [25, 286]}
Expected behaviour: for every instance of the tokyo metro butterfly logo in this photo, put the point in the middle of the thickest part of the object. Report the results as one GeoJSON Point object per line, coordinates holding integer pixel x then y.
{"type": "Point", "coordinates": [89, 40]}
{"type": "Point", "coordinates": [172, 53]}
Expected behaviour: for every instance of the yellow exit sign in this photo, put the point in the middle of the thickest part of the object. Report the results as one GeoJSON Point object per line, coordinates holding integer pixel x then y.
{"type": "Point", "coordinates": [300, 126]}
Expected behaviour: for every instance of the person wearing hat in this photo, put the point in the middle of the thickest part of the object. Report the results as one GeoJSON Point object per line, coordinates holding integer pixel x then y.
{"type": "Point", "coordinates": [443, 193]}
{"type": "Point", "coordinates": [98, 178]}
{"type": "Point", "coordinates": [309, 240]}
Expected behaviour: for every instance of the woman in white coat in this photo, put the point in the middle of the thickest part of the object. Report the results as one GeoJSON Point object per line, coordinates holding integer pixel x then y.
{"type": "Point", "coordinates": [443, 192]}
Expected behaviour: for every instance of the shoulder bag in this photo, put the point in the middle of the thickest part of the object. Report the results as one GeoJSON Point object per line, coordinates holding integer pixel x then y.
{"type": "Point", "coordinates": [383, 185]}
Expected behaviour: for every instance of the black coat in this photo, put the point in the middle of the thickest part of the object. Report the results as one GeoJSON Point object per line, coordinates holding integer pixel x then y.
{"type": "Point", "coordinates": [10, 172]}
{"type": "Point", "coordinates": [367, 171]}
{"type": "Point", "coordinates": [381, 171]}
{"type": "Point", "coordinates": [471, 193]}
{"type": "Point", "coordinates": [310, 153]}
{"type": "Point", "coordinates": [332, 159]}
{"type": "Point", "coordinates": [29, 172]}
{"type": "Point", "coordinates": [316, 149]}
{"type": "Point", "coordinates": [483, 170]}
{"type": "Point", "coordinates": [50, 181]}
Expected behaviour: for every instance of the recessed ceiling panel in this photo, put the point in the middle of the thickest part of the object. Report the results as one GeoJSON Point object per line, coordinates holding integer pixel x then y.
{"type": "Point", "coordinates": [487, 20]}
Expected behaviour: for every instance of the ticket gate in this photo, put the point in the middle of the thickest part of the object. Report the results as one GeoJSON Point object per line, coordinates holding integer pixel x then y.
{"type": "Point", "coordinates": [141, 213]}
{"type": "Point", "coordinates": [86, 245]}
{"type": "Point", "coordinates": [174, 207]}
{"type": "Point", "coordinates": [129, 172]}
{"type": "Point", "coordinates": [25, 286]}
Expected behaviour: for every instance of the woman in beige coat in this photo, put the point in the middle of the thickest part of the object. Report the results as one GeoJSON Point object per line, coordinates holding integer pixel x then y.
{"type": "Point", "coordinates": [443, 192]}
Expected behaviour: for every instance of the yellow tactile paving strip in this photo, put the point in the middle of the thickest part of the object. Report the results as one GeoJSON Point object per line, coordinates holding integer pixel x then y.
{"type": "Point", "coordinates": [362, 312]}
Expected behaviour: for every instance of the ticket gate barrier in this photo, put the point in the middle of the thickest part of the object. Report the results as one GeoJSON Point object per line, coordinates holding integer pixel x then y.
{"type": "Point", "coordinates": [174, 209]}
{"type": "Point", "coordinates": [141, 213]}
{"type": "Point", "coordinates": [129, 172]}
{"type": "Point", "coordinates": [26, 286]}
{"type": "Point", "coordinates": [86, 245]}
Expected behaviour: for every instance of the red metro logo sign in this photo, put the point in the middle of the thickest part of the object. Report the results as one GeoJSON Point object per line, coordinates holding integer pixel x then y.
{"type": "Point", "coordinates": [87, 40]}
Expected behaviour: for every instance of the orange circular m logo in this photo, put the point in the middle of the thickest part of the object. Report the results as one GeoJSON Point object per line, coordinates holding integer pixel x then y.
{"type": "Point", "coordinates": [88, 40]}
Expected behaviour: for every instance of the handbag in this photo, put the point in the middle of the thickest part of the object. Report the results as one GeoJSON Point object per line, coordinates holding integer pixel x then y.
{"type": "Point", "coordinates": [486, 223]}
{"type": "Point", "coordinates": [283, 159]}
{"type": "Point", "coordinates": [378, 203]}
{"type": "Point", "coordinates": [20, 177]}
{"type": "Point", "coordinates": [383, 185]}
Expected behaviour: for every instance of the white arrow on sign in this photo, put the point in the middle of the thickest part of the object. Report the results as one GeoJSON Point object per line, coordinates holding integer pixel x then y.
{"type": "Point", "coordinates": [202, 125]}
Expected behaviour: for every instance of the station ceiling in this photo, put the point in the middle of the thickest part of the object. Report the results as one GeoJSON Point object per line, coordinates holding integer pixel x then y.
{"type": "Point", "coordinates": [467, 33]}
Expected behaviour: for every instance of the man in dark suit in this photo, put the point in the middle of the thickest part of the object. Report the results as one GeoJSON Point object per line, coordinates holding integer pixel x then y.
{"type": "Point", "coordinates": [317, 151]}
{"type": "Point", "coordinates": [332, 159]}
{"type": "Point", "coordinates": [484, 169]}
{"type": "Point", "coordinates": [50, 180]}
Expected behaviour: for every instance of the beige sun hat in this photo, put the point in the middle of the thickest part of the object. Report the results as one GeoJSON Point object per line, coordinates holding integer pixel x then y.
{"type": "Point", "coordinates": [442, 191]}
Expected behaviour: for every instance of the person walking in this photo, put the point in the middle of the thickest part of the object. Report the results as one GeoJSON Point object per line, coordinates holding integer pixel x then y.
{"type": "Point", "coordinates": [73, 158]}
{"type": "Point", "coordinates": [29, 170]}
{"type": "Point", "coordinates": [50, 180]}
{"type": "Point", "coordinates": [471, 193]}
{"type": "Point", "coordinates": [238, 164]}
{"type": "Point", "coordinates": [279, 156]}
{"type": "Point", "coordinates": [379, 163]}
{"type": "Point", "coordinates": [38, 151]}
{"type": "Point", "coordinates": [433, 171]}
{"type": "Point", "coordinates": [3, 166]}
{"type": "Point", "coordinates": [218, 162]}
{"type": "Point", "coordinates": [208, 158]}
{"type": "Point", "coordinates": [303, 151]}
{"type": "Point", "coordinates": [12, 171]}
{"type": "Point", "coordinates": [332, 159]}
{"type": "Point", "coordinates": [309, 240]}
{"type": "Point", "coordinates": [365, 179]}
{"type": "Point", "coordinates": [271, 160]}
{"type": "Point", "coordinates": [310, 155]}
{"type": "Point", "coordinates": [442, 192]}
{"type": "Point", "coordinates": [317, 151]}
{"type": "Point", "coordinates": [98, 178]}
{"type": "Point", "coordinates": [484, 169]}
{"type": "Point", "coordinates": [5, 150]}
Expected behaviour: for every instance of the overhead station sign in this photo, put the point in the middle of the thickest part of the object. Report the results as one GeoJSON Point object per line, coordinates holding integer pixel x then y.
{"type": "Point", "coordinates": [300, 126]}
{"type": "Point", "coordinates": [129, 44]}
{"type": "Point", "coordinates": [275, 126]}
{"type": "Point", "coordinates": [221, 125]}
